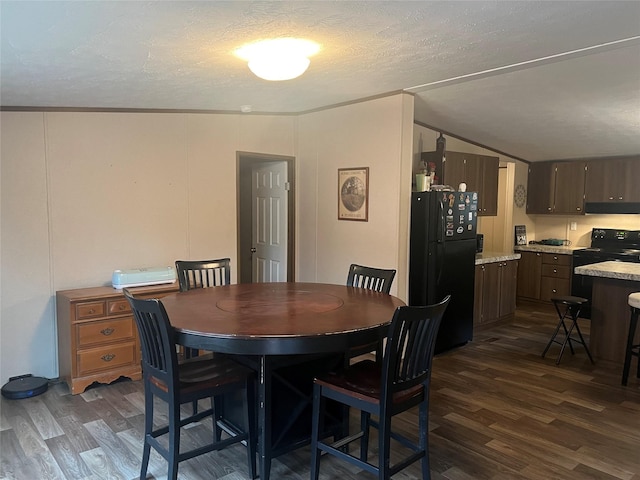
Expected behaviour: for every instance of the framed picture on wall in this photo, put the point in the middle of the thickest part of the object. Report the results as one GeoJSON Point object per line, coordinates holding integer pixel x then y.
{"type": "Point", "coordinates": [353, 194]}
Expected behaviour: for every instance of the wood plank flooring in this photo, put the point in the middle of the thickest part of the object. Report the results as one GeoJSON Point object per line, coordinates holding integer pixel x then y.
{"type": "Point", "coordinates": [498, 411]}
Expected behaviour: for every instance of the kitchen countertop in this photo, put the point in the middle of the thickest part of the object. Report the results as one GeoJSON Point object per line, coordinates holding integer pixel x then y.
{"type": "Point", "coordinates": [562, 250]}
{"type": "Point", "coordinates": [493, 257]}
{"type": "Point", "coordinates": [617, 270]}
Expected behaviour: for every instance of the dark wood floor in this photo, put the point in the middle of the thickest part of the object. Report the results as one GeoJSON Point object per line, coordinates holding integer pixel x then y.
{"type": "Point", "coordinates": [498, 411]}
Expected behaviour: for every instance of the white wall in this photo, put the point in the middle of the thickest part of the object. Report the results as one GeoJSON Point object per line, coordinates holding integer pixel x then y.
{"type": "Point", "coordinates": [86, 193]}
{"type": "Point", "coordinates": [375, 134]}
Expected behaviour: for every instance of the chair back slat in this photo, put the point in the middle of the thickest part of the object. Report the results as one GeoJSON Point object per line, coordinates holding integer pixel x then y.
{"type": "Point", "coordinates": [157, 339]}
{"type": "Point", "coordinates": [203, 273]}
{"type": "Point", "coordinates": [376, 279]}
{"type": "Point", "coordinates": [410, 346]}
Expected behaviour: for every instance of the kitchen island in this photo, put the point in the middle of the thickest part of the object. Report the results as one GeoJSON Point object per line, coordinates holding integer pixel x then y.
{"type": "Point", "coordinates": [612, 284]}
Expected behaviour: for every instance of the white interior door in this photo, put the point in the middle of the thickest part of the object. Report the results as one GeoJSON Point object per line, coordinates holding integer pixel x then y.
{"type": "Point", "coordinates": [269, 190]}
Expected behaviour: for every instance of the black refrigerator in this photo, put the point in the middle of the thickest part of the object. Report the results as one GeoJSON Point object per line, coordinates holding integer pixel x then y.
{"type": "Point", "coordinates": [442, 256]}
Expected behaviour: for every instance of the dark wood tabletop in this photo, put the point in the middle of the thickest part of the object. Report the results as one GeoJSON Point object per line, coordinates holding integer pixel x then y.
{"type": "Point", "coordinates": [279, 318]}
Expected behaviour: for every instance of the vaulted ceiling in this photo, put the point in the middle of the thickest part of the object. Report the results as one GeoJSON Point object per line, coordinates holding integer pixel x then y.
{"type": "Point", "coordinates": [535, 80]}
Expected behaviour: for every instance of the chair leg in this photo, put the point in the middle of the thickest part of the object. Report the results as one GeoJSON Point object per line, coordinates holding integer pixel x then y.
{"type": "Point", "coordinates": [584, 344]}
{"type": "Point", "coordinates": [555, 333]}
{"type": "Point", "coordinates": [174, 439]}
{"type": "Point", "coordinates": [424, 439]}
{"type": "Point", "coordinates": [365, 421]}
{"type": "Point", "coordinates": [148, 427]}
{"type": "Point", "coordinates": [315, 432]}
{"type": "Point", "coordinates": [627, 357]}
{"type": "Point", "coordinates": [384, 447]}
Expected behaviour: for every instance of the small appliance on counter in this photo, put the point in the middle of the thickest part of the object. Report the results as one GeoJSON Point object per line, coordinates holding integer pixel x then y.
{"type": "Point", "coordinates": [139, 277]}
{"type": "Point", "coordinates": [479, 243]}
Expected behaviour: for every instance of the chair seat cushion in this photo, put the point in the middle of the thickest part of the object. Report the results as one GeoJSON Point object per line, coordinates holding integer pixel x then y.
{"type": "Point", "coordinates": [362, 380]}
{"type": "Point", "coordinates": [569, 300]}
{"type": "Point", "coordinates": [207, 371]}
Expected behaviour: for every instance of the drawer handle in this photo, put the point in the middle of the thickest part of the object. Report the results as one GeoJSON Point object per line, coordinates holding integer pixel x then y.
{"type": "Point", "coordinates": [107, 331]}
{"type": "Point", "coordinates": [122, 307]}
{"type": "Point", "coordinates": [554, 290]}
{"type": "Point", "coordinates": [91, 310]}
{"type": "Point", "coordinates": [555, 271]}
{"type": "Point", "coordinates": [108, 357]}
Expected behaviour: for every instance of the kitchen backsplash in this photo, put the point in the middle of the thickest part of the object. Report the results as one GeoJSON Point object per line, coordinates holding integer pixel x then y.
{"type": "Point", "coordinates": [549, 226]}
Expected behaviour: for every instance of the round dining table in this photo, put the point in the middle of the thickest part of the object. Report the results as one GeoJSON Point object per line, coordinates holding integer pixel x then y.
{"type": "Point", "coordinates": [285, 331]}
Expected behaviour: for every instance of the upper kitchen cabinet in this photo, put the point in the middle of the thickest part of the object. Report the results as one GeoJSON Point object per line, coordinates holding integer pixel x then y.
{"type": "Point", "coordinates": [613, 180]}
{"type": "Point", "coordinates": [479, 172]}
{"type": "Point", "coordinates": [556, 188]}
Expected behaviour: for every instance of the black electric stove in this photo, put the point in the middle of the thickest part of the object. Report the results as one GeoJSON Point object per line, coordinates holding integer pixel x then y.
{"type": "Point", "coordinates": [607, 244]}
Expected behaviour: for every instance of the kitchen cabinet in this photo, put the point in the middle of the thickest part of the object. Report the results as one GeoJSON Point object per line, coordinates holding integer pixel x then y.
{"type": "Point", "coordinates": [613, 180]}
{"type": "Point", "coordinates": [529, 275]}
{"type": "Point", "coordinates": [97, 335]}
{"type": "Point", "coordinates": [543, 275]}
{"type": "Point", "coordinates": [479, 172]}
{"type": "Point", "coordinates": [494, 292]}
{"type": "Point", "coordinates": [556, 188]}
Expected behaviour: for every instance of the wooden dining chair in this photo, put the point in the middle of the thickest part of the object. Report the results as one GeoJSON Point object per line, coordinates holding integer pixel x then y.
{"type": "Point", "coordinates": [376, 279]}
{"type": "Point", "coordinates": [384, 389]}
{"type": "Point", "coordinates": [189, 381]}
{"type": "Point", "coordinates": [203, 273]}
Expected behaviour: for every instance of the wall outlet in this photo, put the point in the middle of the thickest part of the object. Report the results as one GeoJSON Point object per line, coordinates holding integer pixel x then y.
{"type": "Point", "coordinates": [573, 226]}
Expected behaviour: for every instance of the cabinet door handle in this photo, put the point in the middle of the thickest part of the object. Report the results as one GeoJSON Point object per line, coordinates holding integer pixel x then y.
{"type": "Point", "coordinates": [108, 357]}
{"type": "Point", "coordinates": [554, 290]}
{"type": "Point", "coordinates": [619, 198]}
{"type": "Point", "coordinates": [107, 331]}
{"type": "Point", "coordinates": [555, 271]}
{"type": "Point", "coordinates": [578, 209]}
{"type": "Point", "coordinates": [610, 198]}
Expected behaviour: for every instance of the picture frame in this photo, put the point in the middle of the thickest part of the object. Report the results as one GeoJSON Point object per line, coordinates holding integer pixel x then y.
{"type": "Point", "coordinates": [353, 194]}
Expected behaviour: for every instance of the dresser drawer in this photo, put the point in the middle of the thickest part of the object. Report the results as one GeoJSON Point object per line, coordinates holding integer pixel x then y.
{"type": "Point", "coordinates": [557, 271]}
{"type": "Point", "coordinates": [102, 332]}
{"type": "Point", "coordinates": [116, 307]}
{"type": "Point", "coordinates": [106, 358]}
{"type": "Point", "coordinates": [90, 310]}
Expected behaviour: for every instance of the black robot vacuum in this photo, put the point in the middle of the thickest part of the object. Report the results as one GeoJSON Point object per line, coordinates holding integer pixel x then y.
{"type": "Point", "coordinates": [24, 386]}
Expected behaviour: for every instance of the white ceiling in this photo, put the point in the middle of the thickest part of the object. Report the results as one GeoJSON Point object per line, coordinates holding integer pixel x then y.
{"type": "Point", "coordinates": [535, 80]}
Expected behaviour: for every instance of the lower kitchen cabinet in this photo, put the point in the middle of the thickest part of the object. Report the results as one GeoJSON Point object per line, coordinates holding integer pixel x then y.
{"type": "Point", "coordinates": [97, 335]}
{"type": "Point", "coordinates": [543, 275]}
{"type": "Point", "coordinates": [495, 292]}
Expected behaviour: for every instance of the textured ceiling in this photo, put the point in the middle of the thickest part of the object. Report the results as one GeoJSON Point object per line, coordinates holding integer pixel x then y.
{"type": "Point", "coordinates": [536, 80]}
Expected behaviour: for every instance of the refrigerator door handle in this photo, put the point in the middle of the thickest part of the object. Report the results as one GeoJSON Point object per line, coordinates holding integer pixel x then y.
{"type": "Point", "coordinates": [441, 245]}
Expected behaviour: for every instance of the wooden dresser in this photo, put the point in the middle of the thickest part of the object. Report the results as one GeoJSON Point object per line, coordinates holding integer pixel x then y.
{"type": "Point", "coordinates": [97, 335]}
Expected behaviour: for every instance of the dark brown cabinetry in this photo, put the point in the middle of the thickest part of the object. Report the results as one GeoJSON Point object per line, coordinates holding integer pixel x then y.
{"type": "Point", "coordinates": [556, 187]}
{"type": "Point", "coordinates": [97, 336]}
{"type": "Point", "coordinates": [479, 172]}
{"type": "Point", "coordinates": [613, 180]}
{"type": "Point", "coordinates": [494, 293]}
{"type": "Point", "coordinates": [543, 275]}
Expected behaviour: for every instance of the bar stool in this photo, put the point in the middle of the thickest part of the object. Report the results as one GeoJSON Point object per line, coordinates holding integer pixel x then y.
{"type": "Point", "coordinates": [572, 307]}
{"type": "Point", "coordinates": [632, 350]}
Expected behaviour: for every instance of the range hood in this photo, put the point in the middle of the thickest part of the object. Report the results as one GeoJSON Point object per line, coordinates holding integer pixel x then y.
{"type": "Point", "coordinates": [612, 207]}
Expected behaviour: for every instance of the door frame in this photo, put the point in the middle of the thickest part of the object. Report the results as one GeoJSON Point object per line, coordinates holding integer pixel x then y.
{"type": "Point", "coordinates": [245, 162]}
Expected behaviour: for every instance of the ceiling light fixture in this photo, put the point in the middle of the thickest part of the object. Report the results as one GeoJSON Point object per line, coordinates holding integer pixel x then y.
{"type": "Point", "coordinates": [280, 58]}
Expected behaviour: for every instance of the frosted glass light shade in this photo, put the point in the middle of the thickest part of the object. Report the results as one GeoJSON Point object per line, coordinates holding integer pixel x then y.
{"type": "Point", "coordinates": [276, 68]}
{"type": "Point", "coordinates": [278, 59]}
